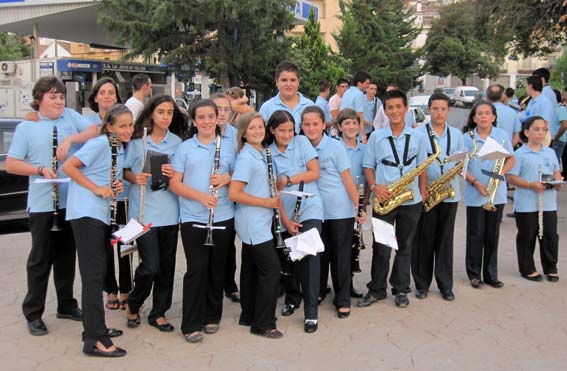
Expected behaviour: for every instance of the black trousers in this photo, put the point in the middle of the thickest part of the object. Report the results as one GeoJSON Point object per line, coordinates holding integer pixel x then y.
{"type": "Point", "coordinates": [525, 242]}
{"type": "Point", "coordinates": [433, 247]}
{"type": "Point", "coordinates": [93, 245]}
{"type": "Point", "coordinates": [405, 219]}
{"type": "Point", "coordinates": [304, 280]}
{"type": "Point", "coordinates": [204, 280]}
{"type": "Point", "coordinates": [157, 249]}
{"type": "Point", "coordinates": [124, 279]}
{"type": "Point", "coordinates": [259, 283]}
{"type": "Point", "coordinates": [337, 236]}
{"type": "Point", "coordinates": [49, 249]}
{"type": "Point", "coordinates": [229, 274]}
{"type": "Point", "coordinates": [483, 233]}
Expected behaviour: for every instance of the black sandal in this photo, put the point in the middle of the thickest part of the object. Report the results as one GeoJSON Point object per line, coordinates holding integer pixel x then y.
{"type": "Point", "coordinates": [113, 333]}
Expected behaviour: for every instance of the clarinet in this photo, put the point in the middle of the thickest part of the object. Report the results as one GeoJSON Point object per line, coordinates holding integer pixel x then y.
{"type": "Point", "coordinates": [540, 207]}
{"type": "Point", "coordinates": [113, 177]}
{"type": "Point", "coordinates": [54, 195]}
{"type": "Point", "coordinates": [358, 241]}
{"type": "Point", "coordinates": [278, 220]}
{"type": "Point", "coordinates": [213, 192]}
{"type": "Point", "coordinates": [143, 187]}
{"type": "Point", "coordinates": [287, 263]}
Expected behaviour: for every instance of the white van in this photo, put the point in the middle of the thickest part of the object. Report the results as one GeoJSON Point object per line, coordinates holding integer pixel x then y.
{"type": "Point", "coordinates": [464, 96]}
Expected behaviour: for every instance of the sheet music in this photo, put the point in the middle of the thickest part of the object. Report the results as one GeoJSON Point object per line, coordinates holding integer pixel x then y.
{"type": "Point", "coordinates": [52, 181]}
{"type": "Point", "coordinates": [130, 231]}
{"type": "Point", "coordinates": [457, 156]}
{"type": "Point", "coordinates": [384, 233]}
{"type": "Point", "coordinates": [492, 150]}
{"type": "Point", "coordinates": [306, 243]}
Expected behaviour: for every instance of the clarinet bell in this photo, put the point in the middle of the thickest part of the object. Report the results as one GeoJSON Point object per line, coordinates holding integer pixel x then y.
{"type": "Point", "coordinates": [55, 225]}
{"type": "Point", "coordinates": [209, 239]}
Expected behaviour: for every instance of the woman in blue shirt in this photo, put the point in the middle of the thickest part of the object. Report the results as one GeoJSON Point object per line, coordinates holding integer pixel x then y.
{"type": "Point", "coordinates": [483, 226]}
{"type": "Point", "coordinates": [203, 194]}
{"type": "Point", "coordinates": [534, 161]}
{"type": "Point", "coordinates": [340, 201]}
{"type": "Point", "coordinates": [157, 248]}
{"type": "Point", "coordinates": [296, 161]}
{"type": "Point", "coordinates": [260, 268]}
{"type": "Point", "coordinates": [89, 212]}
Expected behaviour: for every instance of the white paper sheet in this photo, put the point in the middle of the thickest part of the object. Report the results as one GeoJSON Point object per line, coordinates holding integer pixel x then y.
{"type": "Point", "coordinates": [130, 231]}
{"type": "Point", "coordinates": [298, 194]}
{"type": "Point", "coordinates": [52, 181]}
{"type": "Point", "coordinates": [457, 156]}
{"type": "Point", "coordinates": [492, 150]}
{"type": "Point", "coordinates": [384, 233]}
{"type": "Point", "coordinates": [306, 243]}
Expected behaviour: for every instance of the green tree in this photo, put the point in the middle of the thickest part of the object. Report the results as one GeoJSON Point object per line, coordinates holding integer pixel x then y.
{"type": "Point", "coordinates": [230, 40]}
{"type": "Point", "coordinates": [453, 46]}
{"type": "Point", "coordinates": [377, 36]}
{"type": "Point", "coordinates": [316, 59]}
{"type": "Point", "coordinates": [13, 47]}
{"type": "Point", "coordinates": [559, 73]}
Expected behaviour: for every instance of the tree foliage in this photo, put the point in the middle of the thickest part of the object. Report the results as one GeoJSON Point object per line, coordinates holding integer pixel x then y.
{"type": "Point", "coordinates": [455, 45]}
{"type": "Point", "coordinates": [377, 36]}
{"type": "Point", "coordinates": [236, 40]}
{"type": "Point", "coordinates": [316, 59]}
{"type": "Point", "coordinates": [13, 47]}
{"type": "Point", "coordinates": [559, 73]}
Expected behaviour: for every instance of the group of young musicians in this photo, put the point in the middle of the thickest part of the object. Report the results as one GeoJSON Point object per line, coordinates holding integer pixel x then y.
{"type": "Point", "coordinates": [224, 179]}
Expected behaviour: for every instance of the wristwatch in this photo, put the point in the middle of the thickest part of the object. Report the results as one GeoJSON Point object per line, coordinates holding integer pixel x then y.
{"type": "Point", "coordinates": [288, 181]}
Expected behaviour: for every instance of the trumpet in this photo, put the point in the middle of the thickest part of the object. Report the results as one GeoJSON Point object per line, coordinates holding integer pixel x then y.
{"type": "Point", "coordinates": [54, 195]}
{"type": "Point", "coordinates": [278, 220]}
{"type": "Point", "coordinates": [213, 192]}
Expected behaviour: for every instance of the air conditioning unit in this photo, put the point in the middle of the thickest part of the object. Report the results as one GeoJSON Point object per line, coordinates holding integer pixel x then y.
{"type": "Point", "coordinates": [8, 67]}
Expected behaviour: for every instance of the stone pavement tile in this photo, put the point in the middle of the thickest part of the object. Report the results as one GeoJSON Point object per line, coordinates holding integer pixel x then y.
{"type": "Point", "coordinates": [522, 326]}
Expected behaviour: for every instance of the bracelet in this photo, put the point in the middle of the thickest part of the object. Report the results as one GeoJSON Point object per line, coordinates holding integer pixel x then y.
{"type": "Point", "coordinates": [40, 170]}
{"type": "Point", "coordinates": [473, 182]}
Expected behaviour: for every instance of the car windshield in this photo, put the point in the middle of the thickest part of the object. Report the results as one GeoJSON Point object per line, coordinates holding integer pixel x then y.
{"type": "Point", "coordinates": [470, 93]}
{"type": "Point", "coordinates": [449, 90]}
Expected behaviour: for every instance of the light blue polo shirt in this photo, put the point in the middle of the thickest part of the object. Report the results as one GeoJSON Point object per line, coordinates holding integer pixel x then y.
{"type": "Point", "coordinates": [95, 155]}
{"type": "Point", "coordinates": [324, 105]}
{"type": "Point", "coordinates": [540, 106]}
{"type": "Point", "coordinates": [527, 167]}
{"type": "Point", "coordinates": [94, 118]}
{"type": "Point", "coordinates": [353, 98]}
{"type": "Point", "coordinates": [507, 120]}
{"type": "Point", "coordinates": [548, 92]}
{"type": "Point", "coordinates": [356, 156]}
{"type": "Point", "coordinates": [161, 207]}
{"type": "Point", "coordinates": [435, 170]}
{"type": "Point", "coordinates": [195, 161]}
{"type": "Point", "coordinates": [333, 160]}
{"type": "Point", "coordinates": [379, 149]}
{"type": "Point", "coordinates": [33, 143]}
{"type": "Point", "coordinates": [369, 112]}
{"type": "Point", "coordinates": [560, 115]}
{"type": "Point", "coordinates": [230, 135]}
{"type": "Point", "coordinates": [294, 161]}
{"type": "Point", "coordinates": [472, 197]}
{"type": "Point", "coordinates": [275, 103]}
{"type": "Point", "coordinates": [253, 224]}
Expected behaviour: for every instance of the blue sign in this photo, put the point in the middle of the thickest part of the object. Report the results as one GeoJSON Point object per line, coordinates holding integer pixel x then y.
{"type": "Point", "coordinates": [79, 65]}
{"type": "Point", "coordinates": [302, 9]}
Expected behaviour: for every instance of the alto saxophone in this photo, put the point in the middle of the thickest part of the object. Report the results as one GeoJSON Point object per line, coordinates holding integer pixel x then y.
{"type": "Point", "coordinates": [441, 188]}
{"type": "Point", "coordinates": [493, 184]}
{"type": "Point", "coordinates": [398, 189]}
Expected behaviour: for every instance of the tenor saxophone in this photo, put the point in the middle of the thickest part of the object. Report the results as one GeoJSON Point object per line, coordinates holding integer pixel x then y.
{"type": "Point", "coordinates": [398, 189]}
{"type": "Point", "coordinates": [493, 184]}
{"type": "Point", "coordinates": [441, 188]}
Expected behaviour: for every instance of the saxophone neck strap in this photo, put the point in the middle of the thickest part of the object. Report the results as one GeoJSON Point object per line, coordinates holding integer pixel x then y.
{"type": "Point", "coordinates": [397, 163]}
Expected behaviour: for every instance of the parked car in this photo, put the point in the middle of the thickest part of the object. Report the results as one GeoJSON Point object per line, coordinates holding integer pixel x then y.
{"type": "Point", "coordinates": [464, 96]}
{"type": "Point", "coordinates": [450, 93]}
{"type": "Point", "coordinates": [419, 108]}
{"type": "Point", "coordinates": [13, 188]}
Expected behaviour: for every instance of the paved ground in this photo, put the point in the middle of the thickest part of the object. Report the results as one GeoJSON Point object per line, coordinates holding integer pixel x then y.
{"type": "Point", "coordinates": [522, 326]}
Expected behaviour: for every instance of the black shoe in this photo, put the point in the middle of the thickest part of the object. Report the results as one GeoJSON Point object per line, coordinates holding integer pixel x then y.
{"type": "Point", "coordinates": [288, 310]}
{"type": "Point", "coordinates": [537, 278]}
{"type": "Point", "coordinates": [551, 278]}
{"type": "Point", "coordinates": [113, 333]}
{"type": "Point", "coordinates": [323, 294]}
{"type": "Point", "coordinates": [133, 323]}
{"type": "Point", "coordinates": [420, 294]}
{"type": "Point", "coordinates": [367, 300]}
{"type": "Point", "coordinates": [402, 300]}
{"type": "Point", "coordinates": [511, 215]}
{"type": "Point", "coordinates": [448, 295]}
{"type": "Point", "coordinates": [354, 293]}
{"type": "Point", "coordinates": [476, 283]}
{"type": "Point", "coordinates": [95, 352]}
{"type": "Point", "coordinates": [74, 314]}
{"type": "Point", "coordinates": [233, 296]}
{"type": "Point", "coordinates": [37, 327]}
{"type": "Point", "coordinates": [310, 327]}
{"type": "Point", "coordinates": [496, 284]}
{"type": "Point", "coordinates": [343, 314]}
{"type": "Point", "coordinates": [166, 327]}
{"type": "Point", "coordinates": [270, 334]}
{"type": "Point", "coordinates": [243, 322]}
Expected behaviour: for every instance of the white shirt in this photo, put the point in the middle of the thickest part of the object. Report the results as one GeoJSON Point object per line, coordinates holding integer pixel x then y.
{"type": "Point", "coordinates": [135, 106]}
